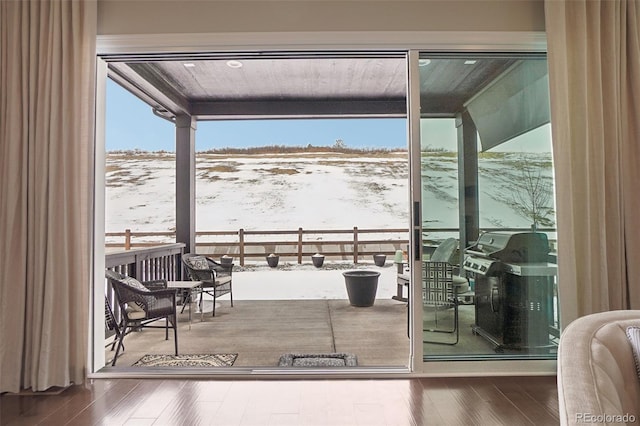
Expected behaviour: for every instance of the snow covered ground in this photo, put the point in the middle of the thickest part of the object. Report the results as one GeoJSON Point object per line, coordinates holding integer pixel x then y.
{"type": "Point", "coordinates": [312, 191]}
{"type": "Point", "coordinates": [305, 282]}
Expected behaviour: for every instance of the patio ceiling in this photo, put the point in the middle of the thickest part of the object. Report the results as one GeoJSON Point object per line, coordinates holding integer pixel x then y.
{"type": "Point", "coordinates": [303, 85]}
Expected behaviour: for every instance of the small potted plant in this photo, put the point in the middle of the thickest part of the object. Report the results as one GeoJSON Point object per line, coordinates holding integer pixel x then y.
{"type": "Point", "coordinates": [379, 259]}
{"type": "Point", "coordinates": [318, 260]}
{"type": "Point", "coordinates": [272, 260]}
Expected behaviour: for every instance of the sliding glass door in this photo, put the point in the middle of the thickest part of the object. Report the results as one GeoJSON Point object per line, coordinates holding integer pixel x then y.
{"type": "Point", "coordinates": [487, 262]}
{"type": "Point", "coordinates": [480, 269]}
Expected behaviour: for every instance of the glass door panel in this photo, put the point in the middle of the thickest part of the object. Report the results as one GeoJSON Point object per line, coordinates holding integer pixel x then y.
{"type": "Point", "coordinates": [489, 287]}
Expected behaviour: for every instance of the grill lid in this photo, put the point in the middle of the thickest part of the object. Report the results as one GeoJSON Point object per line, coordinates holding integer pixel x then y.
{"type": "Point", "coordinates": [512, 247]}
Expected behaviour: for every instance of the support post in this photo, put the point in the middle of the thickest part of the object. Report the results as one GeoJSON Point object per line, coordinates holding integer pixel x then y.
{"type": "Point", "coordinates": [299, 246]}
{"type": "Point", "coordinates": [355, 244]}
{"type": "Point", "coordinates": [467, 181]}
{"type": "Point", "coordinates": [241, 245]}
{"type": "Point", "coordinates": [186, 182]}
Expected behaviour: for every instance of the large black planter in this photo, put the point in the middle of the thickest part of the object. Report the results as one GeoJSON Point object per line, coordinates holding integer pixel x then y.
{"type": "Point", "coordinates": [361, 287]}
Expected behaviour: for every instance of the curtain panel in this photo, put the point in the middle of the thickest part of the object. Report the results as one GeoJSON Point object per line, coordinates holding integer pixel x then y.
{"type": "Point", "coordinates": [47, 79]}
{"type": "Point", "coordinates": [594, 78]}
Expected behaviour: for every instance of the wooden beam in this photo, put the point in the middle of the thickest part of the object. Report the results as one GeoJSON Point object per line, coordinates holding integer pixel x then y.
{"type": "Point", "coordinates": [343, 108]}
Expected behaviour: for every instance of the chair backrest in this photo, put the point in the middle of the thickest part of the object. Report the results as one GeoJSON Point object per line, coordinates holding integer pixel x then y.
{"type": "Point", "coordinates": [110, 322]}
{"type": "Point", "coordinates": [113, 275]}
{"type": "Point", "coordinates": [445, 251]}
{"type": "Point", "coordinates": [438, 283]}
{"type": "Point", "coordinates": [197, 269]}
{"type": "Point", "coordinates": [122, 286]}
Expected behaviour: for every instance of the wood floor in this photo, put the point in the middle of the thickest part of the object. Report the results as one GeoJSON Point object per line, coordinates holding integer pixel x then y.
{"type": "Point", "coordinates": [428, 401]}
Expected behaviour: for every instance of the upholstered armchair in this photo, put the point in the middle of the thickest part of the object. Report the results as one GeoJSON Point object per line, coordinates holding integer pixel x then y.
{"type": "Point", "coordinates": [598, 379]}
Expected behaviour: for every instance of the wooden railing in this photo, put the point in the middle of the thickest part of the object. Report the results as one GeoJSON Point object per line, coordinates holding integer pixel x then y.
{"type": "Point", "coordinates": [296, 245]}
{"type": "Point", "coordinates": [128, 244]}
{"type": "Point", "coordinates": [145, 264]}
{"type": "Point", "coordinates": [151, 263]}
{"type": "Point", "coordinates": [293, 244]}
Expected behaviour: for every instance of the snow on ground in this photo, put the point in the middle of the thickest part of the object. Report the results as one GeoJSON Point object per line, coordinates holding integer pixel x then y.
{"type": "Point", "coordinates": [312, 191]}
{"type": "Point", "coordinates": [305, 282]}
{"type": "Point", "coordinates": [287, 192]}
{"type": "Point", "coordinates": [260, 192]}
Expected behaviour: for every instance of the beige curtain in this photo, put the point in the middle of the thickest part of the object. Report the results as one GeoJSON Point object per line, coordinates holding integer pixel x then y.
{"type": "Point", "coordinates": [47, 73]}
{"type": "Point", "coordinates": [594, 74]}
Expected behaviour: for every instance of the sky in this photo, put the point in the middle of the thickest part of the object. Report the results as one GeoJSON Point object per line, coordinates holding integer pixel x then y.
{"type": "Point", "coordinates": [130, 124]}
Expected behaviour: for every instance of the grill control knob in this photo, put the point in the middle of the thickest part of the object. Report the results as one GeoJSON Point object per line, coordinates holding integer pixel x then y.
{"type": "Point", "coordinates": [483, 268]}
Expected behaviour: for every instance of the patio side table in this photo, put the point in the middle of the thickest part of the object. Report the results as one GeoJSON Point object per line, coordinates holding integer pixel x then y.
{"type": "Point", "coordinates": [186, 286]}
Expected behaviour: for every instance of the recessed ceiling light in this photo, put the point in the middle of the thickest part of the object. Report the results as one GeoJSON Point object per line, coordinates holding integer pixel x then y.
{"type": "Point", "coordinates": [423, 62]}
{"type": "Point", "coordinates": [234, 64]}
{"type": "Point", "coordinates": [189, 65]}
{"type": "Point", "coordinates": [470, 62]}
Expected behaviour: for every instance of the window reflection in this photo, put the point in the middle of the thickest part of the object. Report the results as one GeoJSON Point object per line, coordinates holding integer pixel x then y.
{"type": "Point", "coordinates": [488, 213]}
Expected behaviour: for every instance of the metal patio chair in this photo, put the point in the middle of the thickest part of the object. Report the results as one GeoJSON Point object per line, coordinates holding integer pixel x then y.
{"type": "Point", "coordinates": [441, 289]}
{"type": "Point", "coordinates": [439, 295]}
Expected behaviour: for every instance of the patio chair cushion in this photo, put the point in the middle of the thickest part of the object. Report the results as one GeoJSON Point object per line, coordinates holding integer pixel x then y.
{"type": "Point", "coordinates": [135, 310]}
{"type": "Point", "coordinates": [223, 280]}
{"type": "Point", "coordinates": [134, 283]}
{"type": "Point", "coordinates": [460, 284]}
{"type": "Point", "coordinates": [198, 262]}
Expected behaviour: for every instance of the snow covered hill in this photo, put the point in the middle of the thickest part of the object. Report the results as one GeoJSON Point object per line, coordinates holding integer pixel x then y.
{"type": "Point", "coordinates": [311, 190]}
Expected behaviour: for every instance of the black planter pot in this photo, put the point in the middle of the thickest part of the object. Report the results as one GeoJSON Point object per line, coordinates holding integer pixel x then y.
{"type": "Point", "coordinates": [226, 260]}
{"type": "Point", "coordinates": [362, 286]}
{"type": "Point", "coordinates": [318, 260]}
{"type": "Point", "coordinates": [379, 259]}
{"type": "Point", "coordinates": [273, 260]}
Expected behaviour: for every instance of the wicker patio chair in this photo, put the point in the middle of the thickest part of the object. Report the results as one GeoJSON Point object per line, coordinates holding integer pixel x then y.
{"type": "Point", "coordinates": [111, 324]}
{"type": "Point", "coordinates": [215, 277]}
{"type": "Point", "coordinates": [142, 304]}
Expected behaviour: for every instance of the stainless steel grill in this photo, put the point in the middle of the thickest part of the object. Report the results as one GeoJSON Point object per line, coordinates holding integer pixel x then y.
{"type": "Point", "coordinates": [514, 288]}
{"type": "Point", "coordinates": [494, 250]}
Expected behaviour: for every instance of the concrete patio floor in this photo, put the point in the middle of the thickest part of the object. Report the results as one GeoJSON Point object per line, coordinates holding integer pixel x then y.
{"type": "Point", "coordinates": [260, 331]}
{"type": "Point", "coordinates": [304, 311]}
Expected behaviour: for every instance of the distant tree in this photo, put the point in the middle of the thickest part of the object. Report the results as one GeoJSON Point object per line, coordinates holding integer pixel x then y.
{"type": "Point", "coordinates": [532, 194]}
{"type": "Point", "coordinates": [339, 144]}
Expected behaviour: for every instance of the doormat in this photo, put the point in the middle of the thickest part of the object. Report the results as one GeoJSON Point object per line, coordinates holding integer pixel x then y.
{"type": "Point", "coordinates": [203, 360]}
{"type": "Point", "coordinates": [318, 360]}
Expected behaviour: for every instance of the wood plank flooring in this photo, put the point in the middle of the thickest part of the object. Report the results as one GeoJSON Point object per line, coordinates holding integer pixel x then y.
{"type": "Point", "coordinates": [426, 401]}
